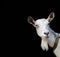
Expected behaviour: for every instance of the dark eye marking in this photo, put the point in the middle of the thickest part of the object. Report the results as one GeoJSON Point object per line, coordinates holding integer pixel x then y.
{"type": "Point", "coordinates": [36, 25]}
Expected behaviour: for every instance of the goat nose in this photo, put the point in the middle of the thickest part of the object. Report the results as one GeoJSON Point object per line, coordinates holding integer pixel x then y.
{"type": "Point", "coordinates": [46, 33]}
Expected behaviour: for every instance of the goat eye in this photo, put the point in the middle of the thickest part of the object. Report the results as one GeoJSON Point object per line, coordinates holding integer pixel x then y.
{"type": "Point", "coordinates": [36, 25]}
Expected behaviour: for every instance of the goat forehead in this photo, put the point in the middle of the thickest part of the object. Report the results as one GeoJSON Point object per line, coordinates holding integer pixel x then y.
{"type": "Point", "coordinates": [41, 21]}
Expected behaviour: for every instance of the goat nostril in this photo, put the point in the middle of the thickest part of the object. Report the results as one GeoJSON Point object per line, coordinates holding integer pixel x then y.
{"type": "Point", "coordinates": [46, 33]}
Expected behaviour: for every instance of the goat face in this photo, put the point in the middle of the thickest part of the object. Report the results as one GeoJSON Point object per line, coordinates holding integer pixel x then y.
{"type": "Point", "coordinates": [42, 28]}
{"type": "Point", "coordinates": [42, 25]}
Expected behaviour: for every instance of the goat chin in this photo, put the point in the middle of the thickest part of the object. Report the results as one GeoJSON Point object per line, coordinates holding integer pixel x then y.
{"type": "Point", "coordinates": [44, 44]}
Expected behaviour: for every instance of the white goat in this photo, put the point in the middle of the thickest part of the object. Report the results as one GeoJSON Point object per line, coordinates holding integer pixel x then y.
{"type": "Point", "coordinates": [48, 36]}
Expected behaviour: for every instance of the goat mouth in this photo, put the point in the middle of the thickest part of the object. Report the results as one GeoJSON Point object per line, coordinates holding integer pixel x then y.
{"type": "Point", "coordinates": [46, 36]}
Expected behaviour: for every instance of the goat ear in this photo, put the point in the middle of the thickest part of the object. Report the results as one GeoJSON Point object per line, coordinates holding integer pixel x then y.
{"type": "Point", "coordinates": [31, 20]}
{"type": "Point", "coordinates": [51, 16]}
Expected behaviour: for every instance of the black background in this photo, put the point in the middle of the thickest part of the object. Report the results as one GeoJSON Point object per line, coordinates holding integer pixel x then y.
{"type": "Point", "coordinates": [2, 4]}
{"type": "Point", "coordinates": [21, 38]}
